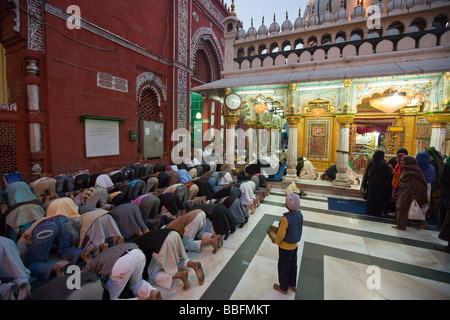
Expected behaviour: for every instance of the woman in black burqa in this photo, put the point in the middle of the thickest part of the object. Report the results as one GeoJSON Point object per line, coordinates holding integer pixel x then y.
{"type": "Point", "coordinates": [377, 181]}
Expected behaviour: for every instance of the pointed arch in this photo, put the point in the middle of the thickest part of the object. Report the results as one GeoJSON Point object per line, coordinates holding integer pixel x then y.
{"type": "Point", "coordinates": [206, 35]}
{"type": "Point", "coordinates": [150, 77]}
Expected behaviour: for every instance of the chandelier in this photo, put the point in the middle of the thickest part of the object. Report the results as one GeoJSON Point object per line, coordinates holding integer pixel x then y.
{"type": "Point", "coordinates": [391, 103]}
{"type": "Point", "coordinates": [260, 108]}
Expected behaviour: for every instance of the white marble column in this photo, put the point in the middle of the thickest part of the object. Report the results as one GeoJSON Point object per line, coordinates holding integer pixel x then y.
{"type": "Point", "coordinates": [438, 132]}
{"type": "Point", "coordinates": [252, 141]}
{"type": "Point", "coordinates": [262, 139]}
{"type": "Point", "coordinates": [291, 172]}
{"type": "Point", "coordinates": [231, 141]}
{"type": "Point", "coordinates": [342, 179]}
{"type": "Point", "coordinates": [439, 121]}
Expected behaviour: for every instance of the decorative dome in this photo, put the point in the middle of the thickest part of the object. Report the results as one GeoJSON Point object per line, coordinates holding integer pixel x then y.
{"type": "Point", "coordinates": [313, 19]}
{"type": "Point", "coordinates": [274, 27]}
{"type": "Point", "coordinates": [299, 22]}
{"type": "Point", "coordinates": [358, 12]}
{"type": "Point", "coordinates": [414, 3]}
{"type": "Point", "coordinates": [395, 5]}
{"type": "Point", "coordinates": [287, 24]}
{"type": "Point", "coordinates": [263, 31]}
{"type": "Point", "coordinates": [342, 15]}
{"type": "Point", "coordinates": [333, 6]}
{"type": "Point", "coordinates": [241, 34]}
{"type": "Point", "coordinates": [378, 4]}
{"type": "Point", "coordinates": [327, 17]}
{"type": "Point", "coordinates": [252, 31]}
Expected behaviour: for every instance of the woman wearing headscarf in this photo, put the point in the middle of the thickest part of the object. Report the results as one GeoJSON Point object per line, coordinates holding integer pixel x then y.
{"type": "Point", "coordinates": [413, 186]}
{"type": "Point", "coordinates": [429, 172]}
{"type": "Point", "coordinates": [376, 183]}
{"type": "Point", "coordinates": [444, 207]}
{"type": "Point", "coordinates": [396, 172]}
{"type": "Point", "coordinates": [437, 161]}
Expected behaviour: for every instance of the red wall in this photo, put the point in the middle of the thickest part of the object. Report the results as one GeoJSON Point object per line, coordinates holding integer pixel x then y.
{"type": "Point", "coordinates": [68, 75]}
{"type": "Point", "coordinates": [72, 78]}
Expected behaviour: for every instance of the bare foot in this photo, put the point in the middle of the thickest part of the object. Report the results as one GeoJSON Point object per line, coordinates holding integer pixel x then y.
{"type": "Point", "coordinates": [119, 240]}
{"type": "Point", "coordinates": [197, 266]}
{"type": "Point", "coordinates": [86, 256]}
{"type": "Point", "coordinates": [58, 268]}
{"type": "Point", "coordinates": [211, 241]}
{"type": "Point", "coordinates": [183, 276]}
{"type": "Point", "coordinates": [24, 291]}
{"type": "Point", "coordinates": [278, 288]}
{"type": "Point", "coordinates": [103, 247]}
{"type": "Point", "coordinates": [154, 295]}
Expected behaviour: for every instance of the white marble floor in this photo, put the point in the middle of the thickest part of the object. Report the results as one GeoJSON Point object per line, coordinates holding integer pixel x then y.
{"type": "Point", "coordinates": [340, 257]}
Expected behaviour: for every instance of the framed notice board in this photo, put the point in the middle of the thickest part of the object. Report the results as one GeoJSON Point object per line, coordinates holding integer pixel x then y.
{"type": "Point", "coordinates": [102, 138]}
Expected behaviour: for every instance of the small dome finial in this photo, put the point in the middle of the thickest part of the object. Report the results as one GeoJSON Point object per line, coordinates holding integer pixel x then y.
{"type": "Point", "coordinates": [233, 6]}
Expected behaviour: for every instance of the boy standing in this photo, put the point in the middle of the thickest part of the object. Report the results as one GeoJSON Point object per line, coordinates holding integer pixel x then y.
{"type": "Point", "coordinates": [288, 236]}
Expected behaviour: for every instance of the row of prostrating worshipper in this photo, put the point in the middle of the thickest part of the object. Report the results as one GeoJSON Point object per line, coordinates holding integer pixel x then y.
{"type": "Point", "coordinates": [391, 187]}
{"type": "Point", "coordinates": [128, 230]}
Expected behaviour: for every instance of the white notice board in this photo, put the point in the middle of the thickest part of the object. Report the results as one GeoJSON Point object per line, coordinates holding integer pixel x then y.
{"type": "Point", "coordinates": [102, 138]}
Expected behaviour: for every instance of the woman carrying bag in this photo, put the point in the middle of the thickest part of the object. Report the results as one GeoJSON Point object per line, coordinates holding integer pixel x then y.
{"type": "Point", "coordinates": [412, 186]}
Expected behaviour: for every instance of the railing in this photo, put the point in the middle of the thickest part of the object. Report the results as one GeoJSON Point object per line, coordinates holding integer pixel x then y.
{"type": "Point", "coordinates": [358, 161]}
{"type": "Point", "coordinates": [394, 39]}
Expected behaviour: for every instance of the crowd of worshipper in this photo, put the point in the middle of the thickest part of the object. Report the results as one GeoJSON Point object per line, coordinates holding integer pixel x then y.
{"type": "Point", "coordinates": [128, 230]}
{"type": "Point", "coordinates": [393, 188]}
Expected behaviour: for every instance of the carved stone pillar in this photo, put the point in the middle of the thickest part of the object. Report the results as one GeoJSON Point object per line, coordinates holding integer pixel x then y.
{"type": "Point", "coordinates": [342, 179]}
{"type": "Point", "coordinates": [259, 130]}
{"type": "Point", "coordinates": [291, 171]}
{"type": "Point", "coordinates": [439, 123]}
{"type": "Point", "coordinates": [252, 153]}
{"type": "Point", "coordinates": [231, 122]}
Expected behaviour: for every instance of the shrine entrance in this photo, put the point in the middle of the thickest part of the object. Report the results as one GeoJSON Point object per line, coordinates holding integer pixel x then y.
{"type": "Point", "coordinates": [368, 135]}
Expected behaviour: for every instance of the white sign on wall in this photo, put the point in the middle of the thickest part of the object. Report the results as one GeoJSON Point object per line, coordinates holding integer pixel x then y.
{"type": "Point", "coordinates": [102, 138]}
